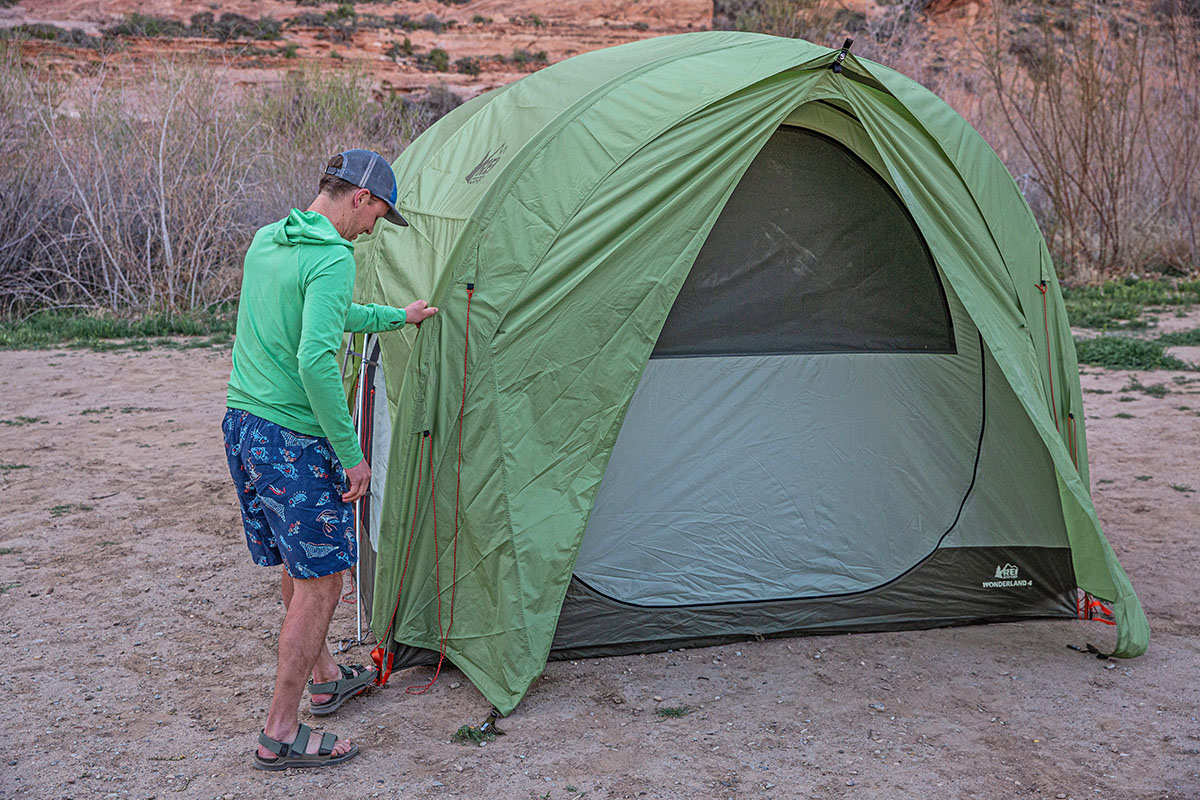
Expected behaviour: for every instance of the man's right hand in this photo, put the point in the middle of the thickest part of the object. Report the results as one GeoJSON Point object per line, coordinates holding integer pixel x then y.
{"type": "Point", "coordinates": [418, 311]}
{"type": "Point", "coordinates": [359, 479]}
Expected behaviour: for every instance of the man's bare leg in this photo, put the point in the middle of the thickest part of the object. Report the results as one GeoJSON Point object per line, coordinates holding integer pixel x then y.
{"type": "Point", "coordinates": [301, 641]}
{"type": "Point", "coordinates": [326, 669]}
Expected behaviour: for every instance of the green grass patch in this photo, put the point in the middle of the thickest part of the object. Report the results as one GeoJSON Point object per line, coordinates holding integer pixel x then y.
{"type": "Point", "coordinates": [1182, 487]}
{"type": "Point", "coordinates": [67, 508]}
{"type": "Point", "coordinates": [1123, 415]}
{"type": "Point", "coordinates": [5, 587]}
{"type": "Point", "coordinates": [10, 467]}
{"type": "Point", "coordinates": [112, 332]}
{"type": "Point", "coordinates": [20, 420]}
{"type": "Point", "coordinates": [1158, 390]}
{"type": "Point", "coordinates": [1121, 352]}
{"type": "Point", "coordinates": [1143, 477]}
{"type": "Point", "coordinates": [469, 734]}
{"type": "Point", "coordinates": [1181, 338]}
{"type": "Point", "coordinates": [1118, 305]}
{"type": "Point", "coordinates": [8, 551]}
{"type": "Point", "coordinates": [673, 712]}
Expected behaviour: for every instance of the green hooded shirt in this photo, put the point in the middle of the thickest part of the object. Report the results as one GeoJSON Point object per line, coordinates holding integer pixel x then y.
{"type": "Point", "coordinates": [295, 304]}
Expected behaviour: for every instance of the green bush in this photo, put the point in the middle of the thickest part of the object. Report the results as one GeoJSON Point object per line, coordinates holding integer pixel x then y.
{"type": "Point", "coordinates": [147, 26]}
{"type": "Point", "coordinates": [521, 57]}
{"type": "Point", "coordinates": [1118, 305]}
{"type": "Point", "coordinates": [397, 50]}
{"type": "Point", "coordinates": [72, 37]}
{"type": "Point", "coordinates": [437, 60]}
{"type": "Point", "coordinates": [228, 26]}
{"type": "Point", "coordinates": [1120, 352]}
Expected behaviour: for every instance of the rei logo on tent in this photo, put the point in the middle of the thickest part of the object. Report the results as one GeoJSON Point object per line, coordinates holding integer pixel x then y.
{"type": "Point", "coordinates": [485, 166]}
{"type": "Point", "coordinates": [1006, 576]}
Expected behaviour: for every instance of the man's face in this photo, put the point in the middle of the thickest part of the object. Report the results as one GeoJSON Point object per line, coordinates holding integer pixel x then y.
{"type": "Point", "coordinates": [366, 210]}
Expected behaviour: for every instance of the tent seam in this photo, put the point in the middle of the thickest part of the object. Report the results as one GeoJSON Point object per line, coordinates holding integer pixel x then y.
{"type": "Point", "coordinates": [504, 480]}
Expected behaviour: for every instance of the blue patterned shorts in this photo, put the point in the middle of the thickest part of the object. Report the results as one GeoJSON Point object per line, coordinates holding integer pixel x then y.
{"type": "Point", "coordinates": [290, 489]}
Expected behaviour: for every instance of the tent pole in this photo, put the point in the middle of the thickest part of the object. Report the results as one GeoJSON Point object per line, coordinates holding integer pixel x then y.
{"type": "Point", "coordinates": [359, 425]}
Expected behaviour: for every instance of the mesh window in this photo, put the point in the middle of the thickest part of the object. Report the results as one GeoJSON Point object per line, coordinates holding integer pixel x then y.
{"type": "Point", "coordinates": [813, 253]}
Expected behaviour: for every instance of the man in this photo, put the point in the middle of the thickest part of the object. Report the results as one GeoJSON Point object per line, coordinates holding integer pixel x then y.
{"type": "Point", "coordinates": [293, 453]}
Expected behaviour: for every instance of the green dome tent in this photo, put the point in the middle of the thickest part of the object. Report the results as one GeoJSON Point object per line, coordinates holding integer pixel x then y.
{"type": "Point", "coordinates": [756, 346]}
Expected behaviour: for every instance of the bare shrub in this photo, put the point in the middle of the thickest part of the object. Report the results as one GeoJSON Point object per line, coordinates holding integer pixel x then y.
{"type": "Point", "coordinates": [815, 20]}
{"type": "Point", "coordinates": [142, 196]}
{"type": "Point", "coordinates": [1103, 111]}
{"type": "Point", "coordinates": [315, 114]}
{"type": "Point", "coordinates": [29, 186]}
{"type": "Point", "coordinates": [1094, 113]}
{"type": "Point", "coordinates": [147, 198]}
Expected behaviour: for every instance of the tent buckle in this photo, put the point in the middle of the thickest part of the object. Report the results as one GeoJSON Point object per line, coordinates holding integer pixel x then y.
{"type": "Point", "coordinates": [836, 66]}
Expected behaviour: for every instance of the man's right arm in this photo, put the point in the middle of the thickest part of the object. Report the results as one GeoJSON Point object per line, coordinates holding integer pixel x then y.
{"type": "Point", "coordinates": [371, 318]}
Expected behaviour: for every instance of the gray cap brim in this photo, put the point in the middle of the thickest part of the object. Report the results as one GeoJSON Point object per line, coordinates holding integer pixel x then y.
{"type": "Point", "coordinates": [393, 216]}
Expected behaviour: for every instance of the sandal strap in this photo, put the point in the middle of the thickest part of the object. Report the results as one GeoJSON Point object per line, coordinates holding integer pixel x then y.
{"type": "Point", "coordinates": [301, 744]}
{"type": "Point", "coordinates": [328, 740]}
{"type": "Point", "coordinates": [349, 672]}
{"type": "Point", "coordinates": [293, 748]}
{"type": "Point", "coordinates": [274, 745]}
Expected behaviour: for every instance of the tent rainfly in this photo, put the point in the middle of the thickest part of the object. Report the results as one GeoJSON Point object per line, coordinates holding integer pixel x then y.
{"type": "Point", "coordinates": [732, 343]}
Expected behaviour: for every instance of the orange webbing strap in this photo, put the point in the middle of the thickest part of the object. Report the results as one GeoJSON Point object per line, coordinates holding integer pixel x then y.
{"type": "Point", "coordinates": [383, 655]}
{"type": "Point", "coordinates": [444, 636]}
{"type": "Point", "coordinates": [1091, 608]}
{"type": "Point", "coordinates": [1049, 362]}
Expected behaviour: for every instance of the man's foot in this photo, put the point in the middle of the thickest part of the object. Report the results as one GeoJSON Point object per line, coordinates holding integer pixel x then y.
{"type": "Point", "coordinates": [323, 673]}
{"type": "Point", "coordinates": [315, 750]}
{"type": "Point", "coordinates": [328, 695]}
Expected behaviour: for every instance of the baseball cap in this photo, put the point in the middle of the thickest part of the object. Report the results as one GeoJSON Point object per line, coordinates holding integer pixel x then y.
{"type": "Point", "coordinates": [368, 170]}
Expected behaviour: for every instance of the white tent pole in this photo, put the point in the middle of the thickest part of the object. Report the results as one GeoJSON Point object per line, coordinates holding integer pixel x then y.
{"type": "Point", "coordinates": [359, 426]}
{"type": "Point", "coordinates": [346, 355]}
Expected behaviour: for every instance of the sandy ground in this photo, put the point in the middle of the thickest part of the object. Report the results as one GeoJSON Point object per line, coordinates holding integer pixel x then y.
{"type": "Point", "coordinates": [138, 641]}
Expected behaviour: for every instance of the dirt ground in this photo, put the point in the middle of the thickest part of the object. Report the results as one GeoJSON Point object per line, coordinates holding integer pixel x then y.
{"type": "Point", "coordinates": [138, 641]}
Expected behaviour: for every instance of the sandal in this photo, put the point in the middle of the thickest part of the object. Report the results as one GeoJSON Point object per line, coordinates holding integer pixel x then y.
{"type": "Point", "coordinates": [291, 754]}
{"type": "Point", "coordinates": [354, 681]}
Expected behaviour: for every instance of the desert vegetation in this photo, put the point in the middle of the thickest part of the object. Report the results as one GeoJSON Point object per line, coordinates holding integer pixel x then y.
{"type": "Point", "coordinates": [1093, 106]}
{"type": "Point", "coordinates": [150, 182]}
{"type": "Point", "coordinates": [147, 190]}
